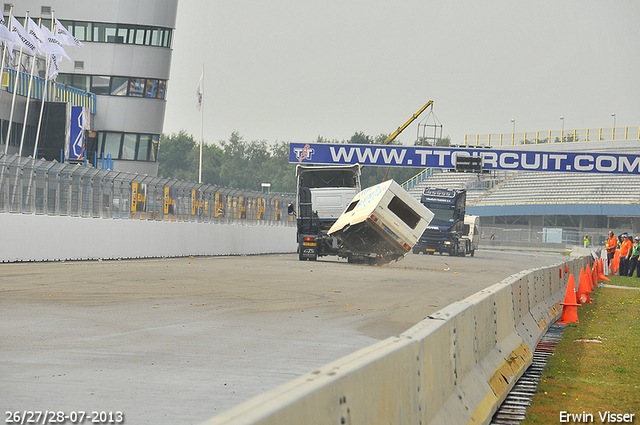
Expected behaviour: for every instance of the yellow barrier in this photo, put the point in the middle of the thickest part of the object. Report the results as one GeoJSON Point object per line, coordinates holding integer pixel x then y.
{"type": "Point", "coordinates": [553, 136]}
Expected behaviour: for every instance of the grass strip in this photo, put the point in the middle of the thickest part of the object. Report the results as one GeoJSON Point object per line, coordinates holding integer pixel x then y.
{"type": "Point", "coordinates": [588, 377]}
{"type": "Point", "coordinates": [632, 282]}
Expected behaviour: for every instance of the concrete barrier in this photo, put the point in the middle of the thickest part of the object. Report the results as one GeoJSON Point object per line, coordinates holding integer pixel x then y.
{"type": "Point", "coordinates": [53, 238]}
{"type": "Point", "coordinates": [455, 367]}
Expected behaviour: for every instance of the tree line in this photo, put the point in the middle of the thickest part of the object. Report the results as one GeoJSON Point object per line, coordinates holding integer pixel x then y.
{"type": "Point", "coordinates": [237, 163]}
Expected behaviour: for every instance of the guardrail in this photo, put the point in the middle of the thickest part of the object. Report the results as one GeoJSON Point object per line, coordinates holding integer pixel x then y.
{"type": "Point", "coordinates": [415, 180]}
{"type": "Point", "coordinates": [43, 187]}
{"type": "Point", "coordinates": [455, 367]}
{"type": "Point", "coordinates": [56, 91]}
{"type": "Point", "coordinates": [554, 136]}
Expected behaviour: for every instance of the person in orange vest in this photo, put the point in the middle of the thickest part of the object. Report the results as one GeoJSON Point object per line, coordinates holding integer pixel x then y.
{"type": "Point", "coordinates": [633, 257]}
{"type": "Point", "coordinates": [625, 250]}
{"type": "Point", "coordinates": [612, 245]}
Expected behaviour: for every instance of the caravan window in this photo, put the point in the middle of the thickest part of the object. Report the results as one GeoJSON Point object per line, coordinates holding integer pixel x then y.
{"type": "Point", "coordinates": [403, 212]}
{"type": "Point", "coordinates": [352, 206]}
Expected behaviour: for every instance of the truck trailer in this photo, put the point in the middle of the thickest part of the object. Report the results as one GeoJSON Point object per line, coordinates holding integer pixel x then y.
{"type": "Point", "coordinates": [381, 224]}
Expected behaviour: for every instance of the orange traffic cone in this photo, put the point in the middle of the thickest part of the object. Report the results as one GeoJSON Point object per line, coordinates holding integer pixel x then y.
{"type": "Point", "coordinates": [601, 275]}
{"type": "Point", "coordinates": [570, 306]}
{"type": "Point", "coordinates": [590, 276]}
{"type": "Point", "coordinates": [615, 263]}
{"type": "Point", "coordinates": [584, 295]}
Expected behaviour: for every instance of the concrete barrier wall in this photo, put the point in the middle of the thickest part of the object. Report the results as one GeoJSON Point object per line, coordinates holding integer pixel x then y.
{"type": "Point", "coordinates": [51, 238]}
{"type": "Point", "coordinates": [455, 367]}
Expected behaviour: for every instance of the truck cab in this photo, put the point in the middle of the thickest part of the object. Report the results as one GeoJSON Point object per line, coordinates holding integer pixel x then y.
{"type": "Point", "coordinates": [446, 232]}
{"type": "Point", "coordinates": [322, 194]}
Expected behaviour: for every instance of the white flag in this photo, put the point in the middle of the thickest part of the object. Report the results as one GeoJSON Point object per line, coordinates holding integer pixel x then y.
{"type": "Point", "coordinates": [23, 38]}
{"type": "Point", "coordinates": [7, 36]}
{"type": "Point", "coordinates": [54, 67]}
{"type": "Point", "coordinates": [65, 36]}
{"type": "Point", "coordinates": [200, 92]}
{"type": "Point", "coordinates": [34, 32]}
{"type": "Point", "coordinates": [50, 44]}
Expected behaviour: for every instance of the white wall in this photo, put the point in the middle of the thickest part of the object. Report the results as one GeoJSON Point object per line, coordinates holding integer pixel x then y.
{"type": "Point", "coordinates": [42, 238]}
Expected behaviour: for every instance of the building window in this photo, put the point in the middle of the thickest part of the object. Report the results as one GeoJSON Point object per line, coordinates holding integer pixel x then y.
{"type": "Point", "coordinates": [143, 147]}
{"type": "Point", "coordinates": [155, 144]}
{"type": "Point", "coordinates": [81, 30]}
{"type": "Point", "coordinates": [75, 80]}
{"type": "Point", "coordinates": [112, 145]}
{"type": "Point", "coordinates": [119, 86]}
{"type": "Point", "coordinates": [116, 86]}
{"type": "Point", "coordinates": [151, 89]}
{"type": "Point", "coordinates": [162, 85]}
{"type": "Point", "coordinates": [100, 32]}
{"type": "Point", "coordinates": [100, 84]}
{"type": "Point", "coordinates": [140, 36]}
{"type": "Point", "coordinates": [136, 86]}
{"type": "Point", "coordinates": [129, 146]}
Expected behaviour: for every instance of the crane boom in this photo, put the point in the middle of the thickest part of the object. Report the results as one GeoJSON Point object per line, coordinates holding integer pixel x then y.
{"type": "Point", "coordinates": [405, 125]}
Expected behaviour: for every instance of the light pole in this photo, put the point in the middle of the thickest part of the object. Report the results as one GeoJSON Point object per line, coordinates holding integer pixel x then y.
{"type": "Point", "coordinates": [513, 134]}
{"type": "Point", "coordinates": [613, 130]}
{"type": "Point", "coordinates": [562, 132]}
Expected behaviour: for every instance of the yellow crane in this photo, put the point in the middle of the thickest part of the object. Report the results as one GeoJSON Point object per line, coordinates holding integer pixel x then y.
{"type": "Point", "coordinates": [402, 127]}
{"type": "Point", "coordinates": [405, 125]}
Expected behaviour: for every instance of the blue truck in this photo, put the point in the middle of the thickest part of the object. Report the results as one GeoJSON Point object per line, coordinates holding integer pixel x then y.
{"type": "Point", "coordinates": [450, 231]}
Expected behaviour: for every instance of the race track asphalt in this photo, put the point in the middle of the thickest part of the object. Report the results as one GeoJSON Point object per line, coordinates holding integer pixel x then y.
{"type": "Point", "coordinates": [181, 340]}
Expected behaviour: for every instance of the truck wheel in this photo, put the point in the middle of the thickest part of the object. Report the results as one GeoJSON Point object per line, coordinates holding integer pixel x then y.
{"type": "Point", "coordinates": [462, 252]}
{"type": "Point", "coordinates": [416, 250]}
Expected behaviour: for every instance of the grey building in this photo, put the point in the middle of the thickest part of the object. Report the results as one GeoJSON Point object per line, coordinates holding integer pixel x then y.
{"type": "Point", "coordinates": [125, 62]}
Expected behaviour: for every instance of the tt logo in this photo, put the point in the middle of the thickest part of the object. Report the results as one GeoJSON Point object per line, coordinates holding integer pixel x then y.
{"type": "Point", "coordinates": [303, 153]}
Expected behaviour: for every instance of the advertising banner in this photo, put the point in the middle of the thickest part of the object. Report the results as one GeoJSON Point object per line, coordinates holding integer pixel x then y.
{"type": "Point", "coordinates": [138, 197]}
{"type": "Point", "coordinates": [170, 197]}
{"type": "Point", "coordinates": [440, 157]}
{"type": "Point", "coordinates": [79, 123]}
{"type": "Point", "coordinates": [196, 202]}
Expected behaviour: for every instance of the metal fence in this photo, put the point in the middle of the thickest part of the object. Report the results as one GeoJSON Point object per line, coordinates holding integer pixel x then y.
{"type": "Point", "coordinates": [568, 236]}
{"type": "Point", "coordinates": [43, 187]}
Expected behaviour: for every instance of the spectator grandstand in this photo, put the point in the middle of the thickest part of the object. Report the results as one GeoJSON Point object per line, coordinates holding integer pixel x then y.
{"type": "Point", "coordinates": [534, 202]}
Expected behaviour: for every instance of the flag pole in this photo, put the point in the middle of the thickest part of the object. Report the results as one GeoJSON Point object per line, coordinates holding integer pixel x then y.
{"type": "Point", "coordinates": [26, 109]}
{"type": "Point", "coordinates": [4, 53]}
{"type": "Point", "coordinates": [16, 81]}
{"type": "Point", "coordinates": [44, 94]}
{"type": "Point", "coordinates": [201, 127]}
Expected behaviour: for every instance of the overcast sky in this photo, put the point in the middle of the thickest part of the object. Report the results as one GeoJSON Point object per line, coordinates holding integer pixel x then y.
{"type": "Point", "coordinates": [293, 70]}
